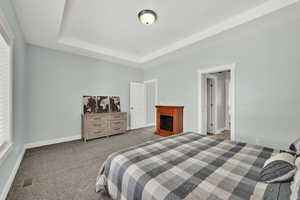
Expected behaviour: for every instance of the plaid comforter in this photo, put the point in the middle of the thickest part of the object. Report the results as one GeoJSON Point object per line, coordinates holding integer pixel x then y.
{"type": "Point", "coordinates": [188, 166]}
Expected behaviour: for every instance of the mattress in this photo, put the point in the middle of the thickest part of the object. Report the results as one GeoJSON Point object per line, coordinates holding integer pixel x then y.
{"type": "Point", "coordinates": [189, 166]}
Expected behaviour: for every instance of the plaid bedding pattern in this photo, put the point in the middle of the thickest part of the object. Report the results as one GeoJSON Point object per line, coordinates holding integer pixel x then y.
{"type": "Point", "coordinates": [186, 166]}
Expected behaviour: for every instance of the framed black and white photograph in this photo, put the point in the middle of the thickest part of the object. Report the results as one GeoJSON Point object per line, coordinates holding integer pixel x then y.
{"type": "Point", "coordinates": [115, 105]}
{"type": "Point", "coordinates": [102, 104]}
{"type": "Point", "coordinates": [89, 104]}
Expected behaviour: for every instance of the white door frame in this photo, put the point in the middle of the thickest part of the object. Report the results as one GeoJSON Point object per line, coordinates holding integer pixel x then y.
{"type": "Point", "coordinates": [155, 81]}
{"type": "Point", "coordinates": [202, 112]}
{"type": "Point", "coordinates": [227, 109]}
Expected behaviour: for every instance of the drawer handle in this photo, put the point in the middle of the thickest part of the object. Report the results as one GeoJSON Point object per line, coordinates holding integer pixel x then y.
{"type": "Point", "coordinates": [116, 122]}
{"type": "Point", "coordinates": [117, 128]}
{"type": "Point", "coordinates": [97, 124]}
{"type": "Point", "coordinates": [100, 125]}
{"type": "Point", "coordinates": [98, 132]}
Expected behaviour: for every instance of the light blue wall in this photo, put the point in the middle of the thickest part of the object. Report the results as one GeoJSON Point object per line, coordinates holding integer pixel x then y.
{"type": "Point", "coordinates": [57, 82]}
{"type": "Point", "coordinates": [19, 94]}
{"type": "Point", "coordinates": [267, 57]}
{"type": "Point", "coordinates": [48, 89]}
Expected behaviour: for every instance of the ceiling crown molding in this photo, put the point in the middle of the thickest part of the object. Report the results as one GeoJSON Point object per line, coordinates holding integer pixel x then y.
{"type": "Point", "coordinates": [103, 53]}
{"type": "Point", "coordinates": [123, 58]}
{"type": "Point", "coordinates": [57, 39]}
{"type": "Point", "coordinates": [250, 15]}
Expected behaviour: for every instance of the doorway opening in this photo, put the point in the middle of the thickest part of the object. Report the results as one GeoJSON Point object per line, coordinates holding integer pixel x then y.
{"type": "Point", "coordinates": [216, 102]}
{"type": "Point", "coordinates": [151, 95]}
{"type": "Point", "coordinates": [143, 98]}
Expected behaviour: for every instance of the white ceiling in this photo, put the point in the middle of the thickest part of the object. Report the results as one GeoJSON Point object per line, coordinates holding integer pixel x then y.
{"type": "Point", "coordinates": [110, 30]}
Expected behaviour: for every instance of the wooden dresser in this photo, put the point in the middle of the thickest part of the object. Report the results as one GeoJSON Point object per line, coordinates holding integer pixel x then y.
{"type": "Point", "coordinates": [103, 124]}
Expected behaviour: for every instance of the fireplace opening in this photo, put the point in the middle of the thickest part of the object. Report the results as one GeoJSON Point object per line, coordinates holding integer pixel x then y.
{"type": "Point", "coordinates": [166, 123]}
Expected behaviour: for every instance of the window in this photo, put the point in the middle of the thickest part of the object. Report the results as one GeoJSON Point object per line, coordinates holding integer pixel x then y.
{"type": "Point", "coordinates": [4, 91]}
{"type": "Point", "coordinates": [6, 43]}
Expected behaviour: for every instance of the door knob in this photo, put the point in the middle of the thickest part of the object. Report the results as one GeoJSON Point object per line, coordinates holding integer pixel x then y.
{"type": "Point", "coordinates": [131, 108]}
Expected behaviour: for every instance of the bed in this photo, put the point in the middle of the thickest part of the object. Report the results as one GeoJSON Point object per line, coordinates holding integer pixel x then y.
{"type": "Point", "coordinates": [189, 166]}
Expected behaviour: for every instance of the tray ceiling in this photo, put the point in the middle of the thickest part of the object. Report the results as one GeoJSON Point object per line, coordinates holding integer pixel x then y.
{"type": "Point", "coordinates": [110, 30]}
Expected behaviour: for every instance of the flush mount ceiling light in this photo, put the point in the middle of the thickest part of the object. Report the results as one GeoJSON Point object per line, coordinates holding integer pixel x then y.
{"type": "Point", "coordinates": [147, 17]}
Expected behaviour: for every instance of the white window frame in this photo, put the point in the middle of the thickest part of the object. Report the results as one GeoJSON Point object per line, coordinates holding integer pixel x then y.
{"type": "Point", "coordinates": [7, 33]}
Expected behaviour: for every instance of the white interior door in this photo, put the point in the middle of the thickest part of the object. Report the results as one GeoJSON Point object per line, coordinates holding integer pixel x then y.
{"type": "Point", "coordinates": [211, 106]}
{"type": "Point", "coordinates": [137, 105]}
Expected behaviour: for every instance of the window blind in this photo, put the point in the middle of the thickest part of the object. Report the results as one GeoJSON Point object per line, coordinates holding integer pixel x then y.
{"type": "Point", "coordinates": [4, 91]}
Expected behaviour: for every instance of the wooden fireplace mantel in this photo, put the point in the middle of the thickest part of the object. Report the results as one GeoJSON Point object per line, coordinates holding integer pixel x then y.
{"type": "Point", "coordinates": [176, 112]}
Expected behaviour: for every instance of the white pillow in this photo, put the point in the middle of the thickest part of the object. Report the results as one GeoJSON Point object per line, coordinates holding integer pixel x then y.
{"type": "Point", "coordinates": [295, 186]}
{"type": "Point", "coordinates": [297, 162]}
{"type": "Point", "coordinates": [278, 168]}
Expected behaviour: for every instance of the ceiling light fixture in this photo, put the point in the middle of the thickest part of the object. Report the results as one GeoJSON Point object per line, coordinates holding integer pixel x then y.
{"type": "Point", "coordinates": [147, 17]}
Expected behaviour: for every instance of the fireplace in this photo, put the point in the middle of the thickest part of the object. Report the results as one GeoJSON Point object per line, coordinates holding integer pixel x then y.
{"type": "Point", "coordinates": [169, 120]}
{"type": "Point", "coordinates": [166, 123]}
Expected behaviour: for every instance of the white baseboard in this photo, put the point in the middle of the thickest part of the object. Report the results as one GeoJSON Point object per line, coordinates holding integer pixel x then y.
{"type": "Point", "coordinates": [53, 141]}
{"type": "Point", "coordinates": [152, 124]}
{"type": "Point", "coordinates": [190, 130]}
{"type": "Point", "coordinates": [12, 175]}
{"type": "Point", "coordinates": [145, 126]}
{"type": "Point", "coordinates": [220, 130]}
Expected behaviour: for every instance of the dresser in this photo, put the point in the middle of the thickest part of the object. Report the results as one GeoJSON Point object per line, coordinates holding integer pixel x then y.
{"type": "Point", "coordinates": [103, 124]}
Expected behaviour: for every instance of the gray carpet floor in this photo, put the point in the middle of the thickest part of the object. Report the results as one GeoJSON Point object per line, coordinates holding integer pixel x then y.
{"type": "Point", "coordinates": [68, 171]}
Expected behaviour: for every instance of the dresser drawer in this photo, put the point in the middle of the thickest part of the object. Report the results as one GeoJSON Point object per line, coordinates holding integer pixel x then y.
{"type": "Point", "coordinates": [96, 129]}
{"type": "Point", "coordinates": [117, 124]}
{"type": "Point", "coordinates": [118, 116]}
{"type": "Point", "coordinates": [103, 124]}
{"type": "Point", "coordinates": [97, 117]}
{"type": "Point", "coordinates": [117, 130]}
{"type": "Point", "coordinates": [96, 133]}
